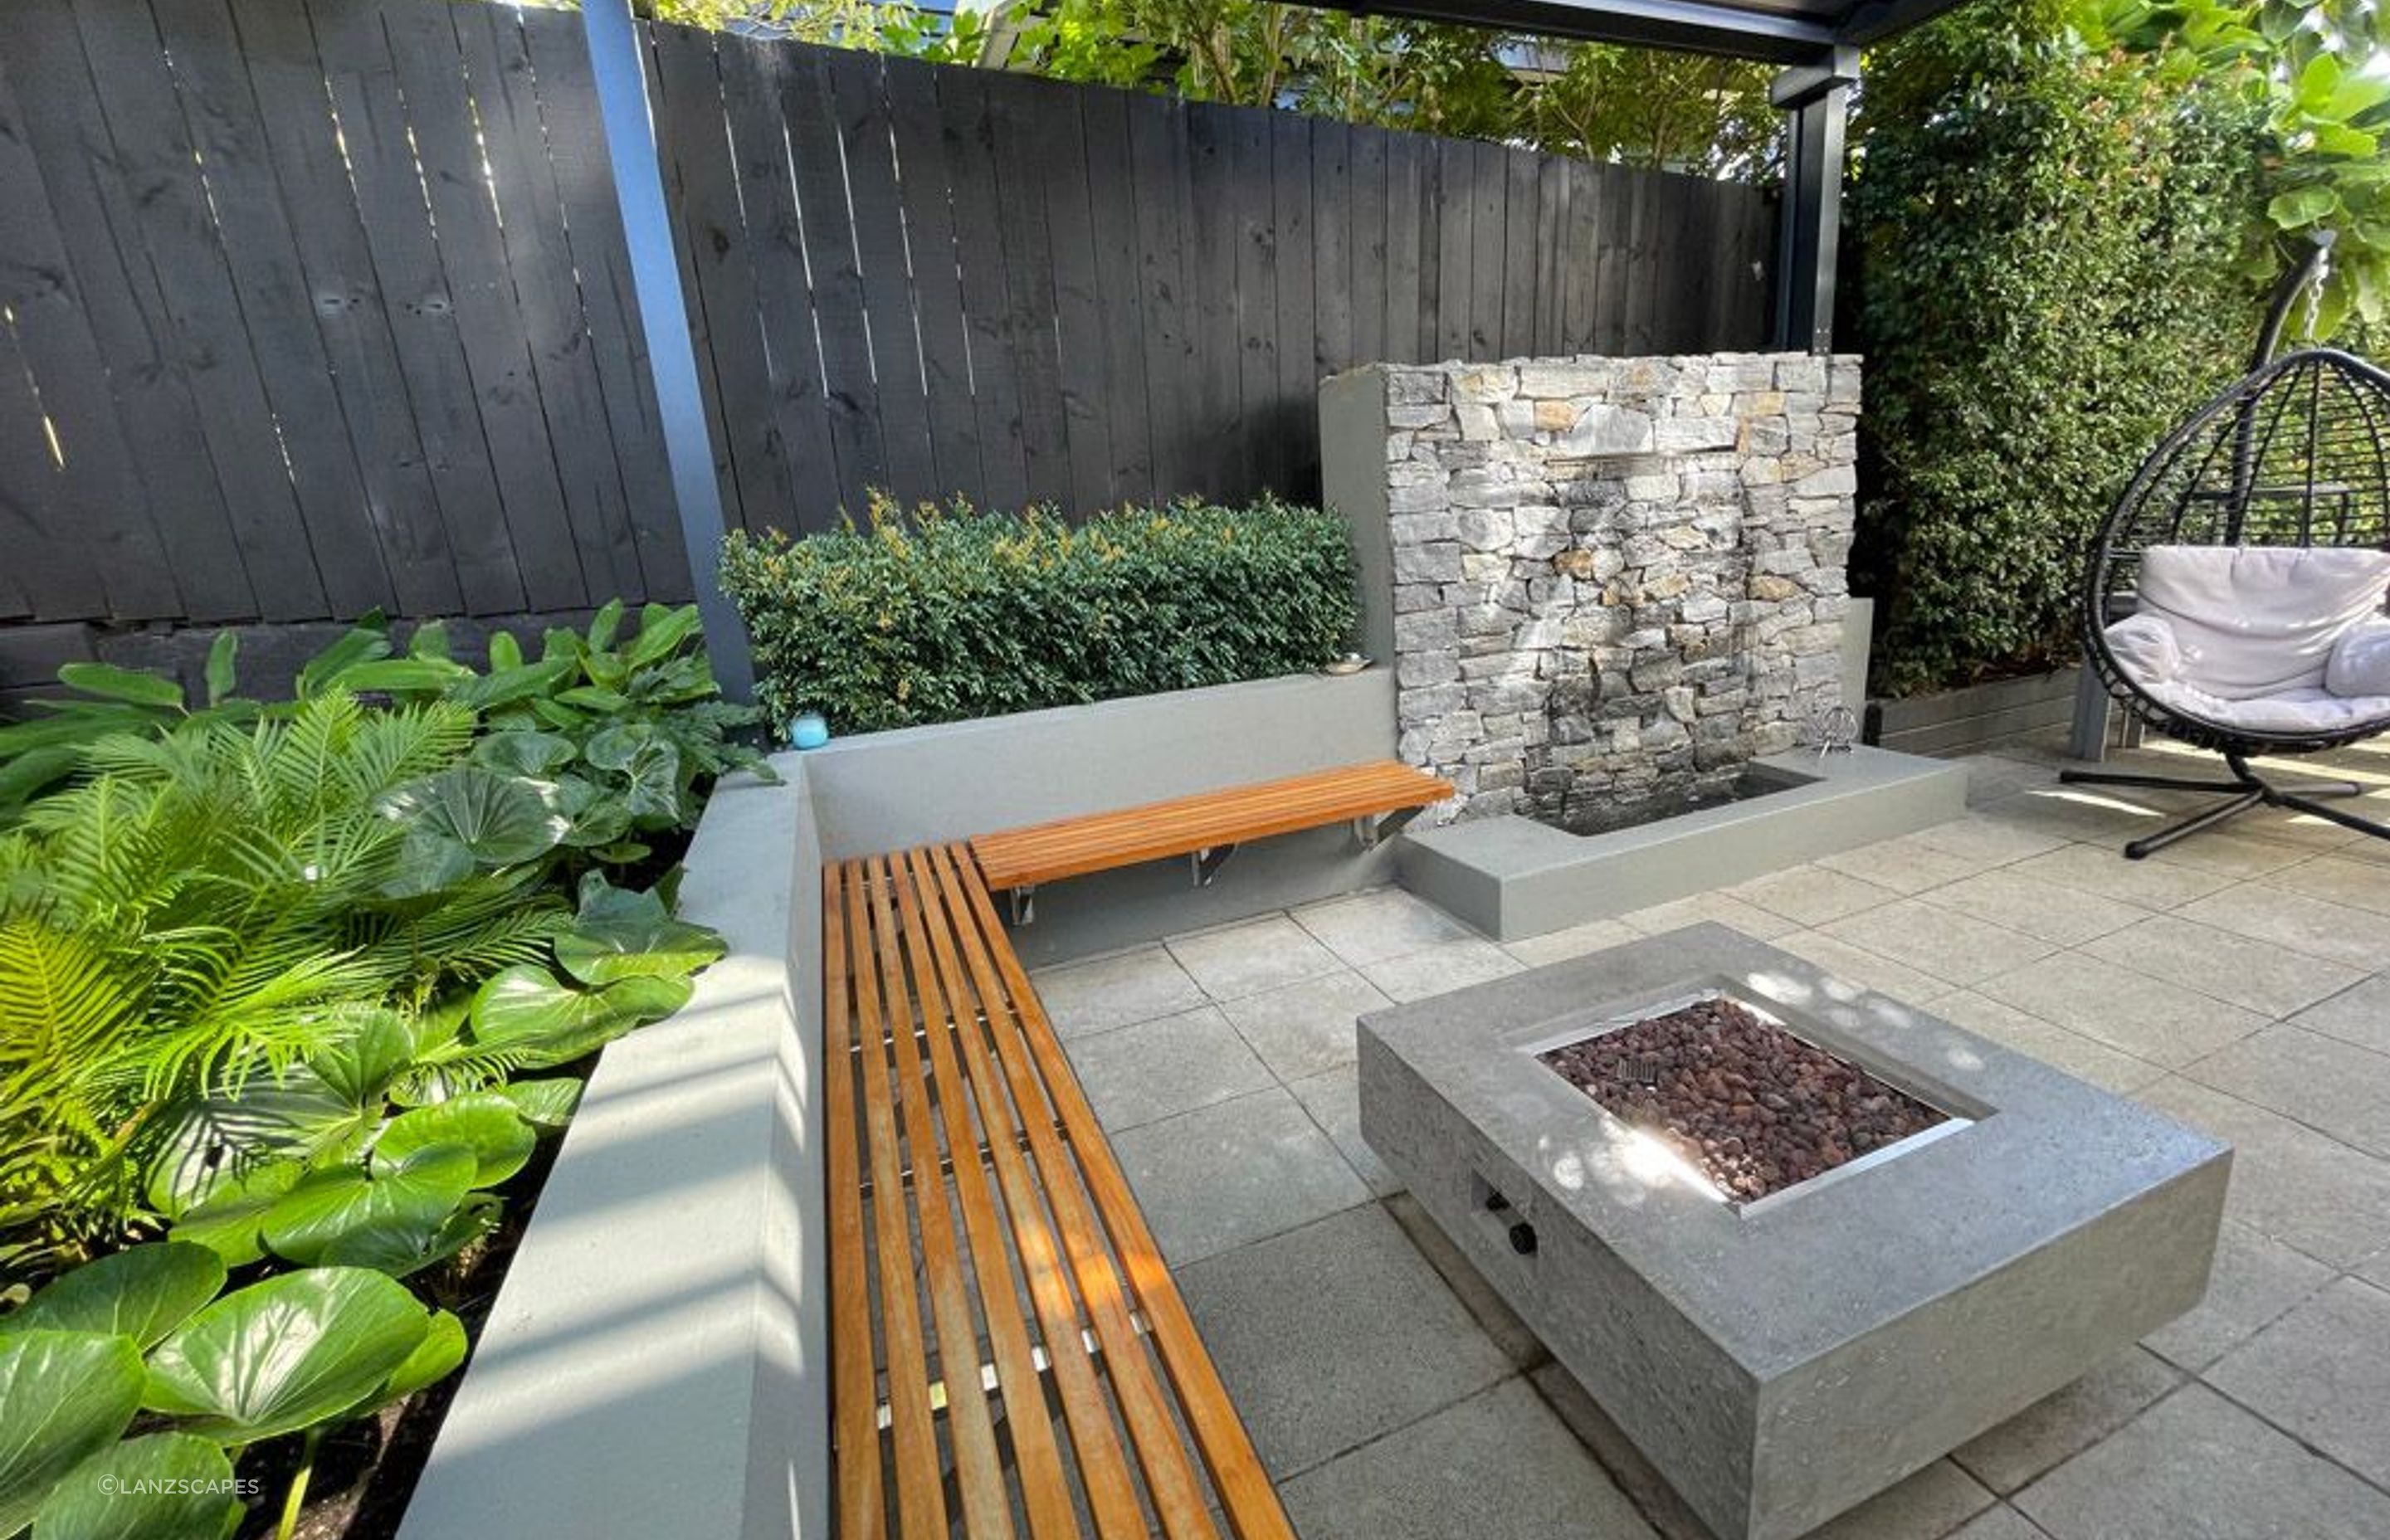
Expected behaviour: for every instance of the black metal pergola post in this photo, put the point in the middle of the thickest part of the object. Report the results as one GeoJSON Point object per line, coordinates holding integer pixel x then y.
{"type": "Point", "coordinates": [1816, 102]}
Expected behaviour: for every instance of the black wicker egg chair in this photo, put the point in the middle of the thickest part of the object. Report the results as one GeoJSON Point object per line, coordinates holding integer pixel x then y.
{"type": "Point", "coordinates": [2295, 454]}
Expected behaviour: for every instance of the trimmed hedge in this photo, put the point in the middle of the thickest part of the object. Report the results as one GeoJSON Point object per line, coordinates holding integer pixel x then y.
{"type": "Point", "coordinates": [2051, 275]}
{"type": "Point", "coordinates": [959, 614]}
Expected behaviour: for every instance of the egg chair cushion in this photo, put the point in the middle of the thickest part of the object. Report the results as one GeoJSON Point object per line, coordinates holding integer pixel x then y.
{"type": "Point", "coordinates": [2251, 622]}
{"type": "Point", "coordinates": [2360, 660]}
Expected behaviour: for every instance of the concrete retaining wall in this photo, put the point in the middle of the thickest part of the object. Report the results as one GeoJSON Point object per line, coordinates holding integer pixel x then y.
{"type": "Point", "coordinates": [657, 1362]}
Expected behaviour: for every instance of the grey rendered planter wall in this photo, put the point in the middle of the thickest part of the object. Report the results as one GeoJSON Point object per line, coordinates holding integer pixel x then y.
{"type": "Point", "coordinates": [653, 1365]}
{"type": "Point", "coordinates": [657, 1362]}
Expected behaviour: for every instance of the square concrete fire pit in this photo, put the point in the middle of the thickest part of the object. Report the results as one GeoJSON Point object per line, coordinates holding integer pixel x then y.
{"type": "Point", "coordinates": [1782, 1359]}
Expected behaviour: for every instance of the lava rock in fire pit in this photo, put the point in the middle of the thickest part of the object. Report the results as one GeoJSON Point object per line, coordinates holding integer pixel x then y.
{"type": "Point", "coordinates": [1753, 1107]}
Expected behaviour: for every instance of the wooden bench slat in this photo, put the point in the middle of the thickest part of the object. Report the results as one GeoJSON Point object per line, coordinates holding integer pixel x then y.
{"type": "Point", "coordinates": [1073, 847]}
{"type": "Point", "coordinates": [852, 1383]}
{"type": "Point", "coordinates": [1103, 1466]}
{"type": "Point", "coordinates": [920, 1478]}
{"type": "Point", "coordinates": [1171, 1481]}
{"type": "Point", "coordinates": [1238, 1476]}
{"type": "Point", "coordinates": [978, 1470]}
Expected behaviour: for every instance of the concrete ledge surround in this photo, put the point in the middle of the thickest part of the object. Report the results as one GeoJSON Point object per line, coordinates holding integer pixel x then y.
{"type": "Point", "coordinates": [656, 1364]}
{"type": "Point", "coordinates": [1514, 878]}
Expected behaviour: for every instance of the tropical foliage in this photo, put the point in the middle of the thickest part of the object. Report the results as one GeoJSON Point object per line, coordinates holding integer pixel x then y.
{"type": "Point", "coordinates": [2317, 72]}
{"type": "Point", "coordinates": [960, 614]}
{"type": "Point", "coordinates": [288, 993]}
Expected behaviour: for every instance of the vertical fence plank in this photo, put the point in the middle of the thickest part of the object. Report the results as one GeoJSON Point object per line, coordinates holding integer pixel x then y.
{"type": "Point", "coordinates": [548, 295]}
{"type": "Point", "coordinates": [937, 278]}
{"type": "Point", "coordinates": [407, 284]}
{"type": "Point", "coordinates": [859, 100]}
{"type": "Point", "coordinates": [576, 147]}
{"type": "Point", "coordinates": [1252, 193]}
{"type": "Point", "coordinates": [1058, 143]}
{"type": "Point", "coordinates": [1120, 295]}
{"type": "Point", "coordinates": [244, 199]}
{"type": "Point", "coordinates": [969, 138]}
{"type": "Point", "coordinates": [1214, 443]}
{"type": "Point", "coordinates": [346, 302]}
{"type": "Point", "coordinates": [1581, 238]}
{"type": "Point", "coordinates": [1293, 409]}
{"type": "Point", "coordinates": [1523, 218]}
{"type": "Point", "coordinates": [199, 328]}
{"type": "Point", "coordinates": [1489, 244]}
{"type": "Point", "coordinates": [1410, 287]}
{"type": "Point", "coordinates": [1368, 257]}
{"type": "Point", "coordinates": [115, 561]}
{"type": "Point", "coordinates": [1334, 204]}
{"type": "Point", "coordinates": [1158, 140]}
{"type": "Point", "coordinates": [490, 322]}
{"type": "Point", "coordinates": [1451, 215]}
{"type": "Point", "coordinates": [1552, 255]}
{"type": "Point", "coordinates": [1023, 187]}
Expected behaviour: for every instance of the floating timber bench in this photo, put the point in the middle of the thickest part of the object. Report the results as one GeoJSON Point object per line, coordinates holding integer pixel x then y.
{"type": "Point", "coordinates": [1206, 828]}
{"type": "Point", "coordinates": [1010, 1356]}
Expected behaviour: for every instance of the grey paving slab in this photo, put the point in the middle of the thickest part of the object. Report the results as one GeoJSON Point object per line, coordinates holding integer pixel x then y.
{"type": "Point", "coordinates": [2340, 933]}
{"type": "Point", "coordinates": [1575, 941]}
{"type": "Point", "coordinates": [2103, 871]}
{"type": "Point", "coordinates": [2289, 1182]}
{"type": "Point", "coordinates": [1305, 1029]}
{"type": "Point", "coordinates": [2257, 1281]}
{"type": "Point", "coordinates": [1992, 841]}
{"type": "Point", "coordinates": [2255, 975]}
{"type": "Point", "coordinates": [1867, 970]}
{"type": "Point", "coordinates": [2227, 855]}
{"type": "Point", "coordinates": [2058, 1426]}
{"type": "Point", "coordinates": [2322, 1375]}
{"type": "Point", "coordinates": [1498, 1466]}
{"type": "Point", "coordinates": [1811, 895]}
{"type": "Point", "coordinates": [1927, 1506]}
{"type": "Point", "coordinates": [2049, 911]}
{"type": "Point", "coordinates": [1906, 864]}
{"type": "Point", "coordinates": [1383, 922]}
{"type": "Point", "coordinates": [2099, 814]}
{"type": "Point", "coordinates": [1333, 1335]}
{"type": "Point", "coordinates": [1452, 965]}
{"type": "Point", "coordinates": [1334, 1103]}
{"type": "Point", "coordinates": [1234, 1173]}
{"type": "Point", "coordinates": [2195, 1467]}
{"type": "Point", "coordinates": [1158, 1069]}
{"type": "Point", "coordinates": [2071, 1051]}
{"type": "Point", "coordinates": [2148, 1017]}
{"type": "Point", "coordinates": [2340, 878]}
{"type": "Point", "coordinates": [1247, 958]}
{"type": "Point", "coordinates": [1117, 991]}
{"type": "Point", "coordinates": [1999, 1523]}
{"type": "Point", "coordinates": [1749, 918]}
{"type": "Point", "coordinates": [2359, 1014]}
{"type": "Point", "coordinates": [2322, 1082]}
{"type": "Point", "coordinates": [1939, 943]}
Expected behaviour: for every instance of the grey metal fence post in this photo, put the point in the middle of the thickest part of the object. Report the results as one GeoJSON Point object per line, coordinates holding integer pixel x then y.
{"type": "Point", "coordinates": [1815, 101]}
{"type": "Point", "coordinates": [664, 318]}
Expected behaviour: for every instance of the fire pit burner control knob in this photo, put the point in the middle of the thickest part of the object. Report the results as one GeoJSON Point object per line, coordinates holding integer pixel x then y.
{"type": "Point", "coordinates": [1496, 1202]}
{"type": "Point", "coordinates": [1522, 1238]}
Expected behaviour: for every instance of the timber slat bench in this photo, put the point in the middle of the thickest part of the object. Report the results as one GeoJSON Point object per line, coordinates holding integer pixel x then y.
{"type": "Point", "coordinates": [1009, 1354]}
{"type": "Point", "coordinates": [1208, 827]}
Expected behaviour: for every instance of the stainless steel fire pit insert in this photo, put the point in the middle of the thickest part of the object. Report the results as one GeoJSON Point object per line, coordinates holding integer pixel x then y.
{"type": "Point", "coordinates": [1782, 1361]}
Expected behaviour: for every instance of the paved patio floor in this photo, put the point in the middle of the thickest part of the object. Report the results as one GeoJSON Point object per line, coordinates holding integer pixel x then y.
{"type": "Point", "coordinates": [2239, 981]}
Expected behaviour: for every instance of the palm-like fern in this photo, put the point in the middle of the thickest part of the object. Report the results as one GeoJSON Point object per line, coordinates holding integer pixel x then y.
{"type": "Point", "coordinates": [198, 910]}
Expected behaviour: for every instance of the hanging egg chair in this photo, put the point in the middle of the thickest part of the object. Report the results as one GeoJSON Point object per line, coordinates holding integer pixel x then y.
{"type": "Point", "coordinates": [2235, 596]}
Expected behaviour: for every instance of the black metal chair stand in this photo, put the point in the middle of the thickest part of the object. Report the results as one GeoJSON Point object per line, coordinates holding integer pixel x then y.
{"type": "Point", "coordinates": [2245, 791]}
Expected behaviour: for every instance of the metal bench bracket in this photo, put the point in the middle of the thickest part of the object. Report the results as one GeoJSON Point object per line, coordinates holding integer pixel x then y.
{"type": "Point", "coordinates": [1025, 904]}
{"type": "Point", "coordinates": [1206, 863]}
{"type": "Point", "coordinates": [1369, 833]}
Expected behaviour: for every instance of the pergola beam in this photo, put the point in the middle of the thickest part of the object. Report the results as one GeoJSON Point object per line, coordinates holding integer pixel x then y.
{"type": "Point", "coordinates": [1692, 26]}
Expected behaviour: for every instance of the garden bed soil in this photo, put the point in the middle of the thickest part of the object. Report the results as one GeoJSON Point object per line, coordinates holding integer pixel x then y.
{"type": "Point", "coordinates": [1753, 1107]}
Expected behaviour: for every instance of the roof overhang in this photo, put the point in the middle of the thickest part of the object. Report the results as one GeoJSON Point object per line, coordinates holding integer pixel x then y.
{"type": "Point", "coordinates": [1776, 32]}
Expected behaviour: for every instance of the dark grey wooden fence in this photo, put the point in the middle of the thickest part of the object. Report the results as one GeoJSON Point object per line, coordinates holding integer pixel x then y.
{"type": "Point", "coordinates": [317, 305]}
